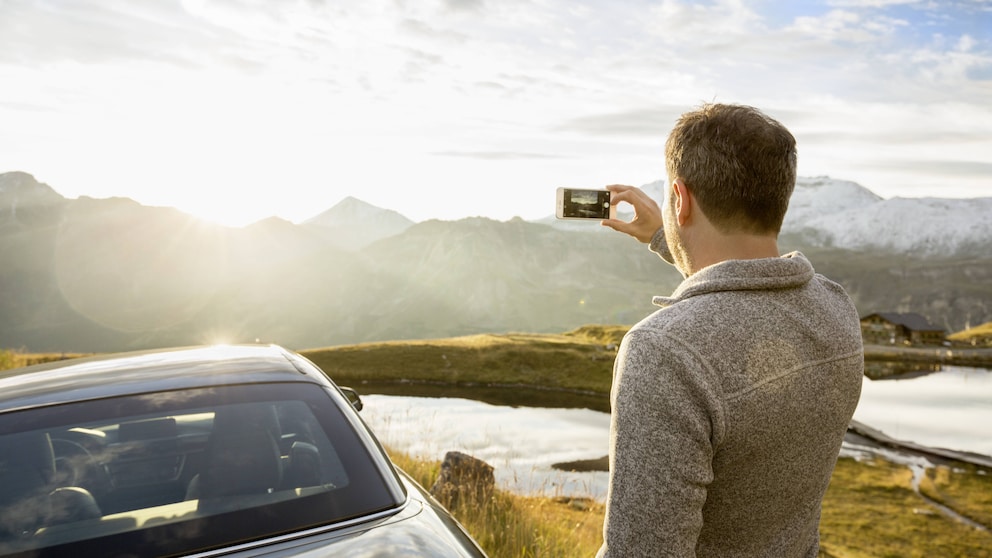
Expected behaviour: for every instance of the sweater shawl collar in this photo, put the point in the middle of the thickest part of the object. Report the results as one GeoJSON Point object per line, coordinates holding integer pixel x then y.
{"type": "Point", "coordinates": [790, 271]}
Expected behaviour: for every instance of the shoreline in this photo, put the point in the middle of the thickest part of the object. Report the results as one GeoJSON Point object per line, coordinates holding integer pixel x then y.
{"type": "Point", "coordinates": [957, 356]}
{"type": "Point", "coordinates": [526, 395]}
{"type": "Point", "coordinates": [856, 428]}
{"type": "Point", "coordinates": [884, 440]}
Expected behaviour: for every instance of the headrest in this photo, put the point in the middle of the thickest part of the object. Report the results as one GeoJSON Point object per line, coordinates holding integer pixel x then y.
{"type": "Point", "coordinates": [29, 457]}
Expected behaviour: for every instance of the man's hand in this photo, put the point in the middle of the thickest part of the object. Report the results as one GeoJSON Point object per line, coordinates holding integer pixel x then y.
{"type": "Point", "coordinates": [647, 214]}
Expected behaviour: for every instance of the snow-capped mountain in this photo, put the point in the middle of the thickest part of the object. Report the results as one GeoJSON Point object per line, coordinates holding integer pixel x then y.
{"type": "Point", "coordinates": [843, 214]}
{"type": "Point", "coordinates": [819, 196]}
{"type": "Point", "coordinates": [836, 213]}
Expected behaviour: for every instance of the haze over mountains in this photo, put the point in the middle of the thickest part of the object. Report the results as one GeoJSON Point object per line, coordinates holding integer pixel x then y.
{"type": "Point", "coordinates": [111, 274]}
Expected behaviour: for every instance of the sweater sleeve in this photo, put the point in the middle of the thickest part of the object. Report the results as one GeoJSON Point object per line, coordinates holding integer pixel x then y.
{"type": "Point", "coordinates": [661, 448]}
{"type": "Point", "coordinates": [659, 245]}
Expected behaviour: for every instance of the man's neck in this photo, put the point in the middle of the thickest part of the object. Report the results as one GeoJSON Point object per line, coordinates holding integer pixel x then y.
{"type": "Point", "coordinates": [737, 246]}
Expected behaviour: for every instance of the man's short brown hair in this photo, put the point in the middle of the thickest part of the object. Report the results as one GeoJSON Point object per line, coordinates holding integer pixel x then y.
{"type": "Point", "coordinates": [738, 163]}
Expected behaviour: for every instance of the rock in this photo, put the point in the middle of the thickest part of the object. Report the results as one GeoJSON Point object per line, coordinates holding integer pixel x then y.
{"type": "Point", "coordinates": [463, 479]}
{"type": "Point", "coordinates": [585, 465]}
{"type": "Point", "coordinates": [578, 504]}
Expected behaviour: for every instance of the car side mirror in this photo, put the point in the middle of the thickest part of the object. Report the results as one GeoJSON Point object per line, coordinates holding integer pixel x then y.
{"type": "Point", "coordinates": [352, 397]}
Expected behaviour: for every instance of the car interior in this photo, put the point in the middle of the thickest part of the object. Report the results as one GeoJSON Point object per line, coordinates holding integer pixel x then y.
{"type": "Point", "coordinates": [159, 459]}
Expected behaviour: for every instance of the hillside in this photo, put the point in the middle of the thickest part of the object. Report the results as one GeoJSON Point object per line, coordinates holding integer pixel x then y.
{"type": "Point", "coordinates": [577, 365]}
{"type": "Point", "coordinates": [980, 336]}
{"type": "Point", "coordinates": [89, 275]}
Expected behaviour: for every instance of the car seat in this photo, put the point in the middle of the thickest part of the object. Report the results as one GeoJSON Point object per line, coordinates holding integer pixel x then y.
{"type": "Point", "coordinates": [242, 455]}
{"type": "Point", "coordinates": [28, 497]}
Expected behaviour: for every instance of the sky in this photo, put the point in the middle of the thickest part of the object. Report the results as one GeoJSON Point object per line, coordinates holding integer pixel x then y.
{"type": "Point", "coordinates": [238, 110]}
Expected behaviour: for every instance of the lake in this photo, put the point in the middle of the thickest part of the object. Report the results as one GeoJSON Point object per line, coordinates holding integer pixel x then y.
{"type": "Point", "coordinates": [951, 408]}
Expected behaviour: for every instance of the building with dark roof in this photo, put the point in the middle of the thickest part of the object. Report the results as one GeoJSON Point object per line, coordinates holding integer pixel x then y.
{"type": "Point", "coordinates": [891, 328]}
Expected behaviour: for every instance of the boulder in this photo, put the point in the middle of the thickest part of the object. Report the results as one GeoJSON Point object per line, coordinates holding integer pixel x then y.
{"type": "Point", "coordinates": [463, 480]}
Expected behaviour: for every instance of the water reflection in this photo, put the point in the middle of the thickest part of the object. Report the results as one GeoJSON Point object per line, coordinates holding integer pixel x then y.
{"type": "Point", "coordinates": [878, 370]}
{"type": "Point", "coordinates": [951, 408]}
{"type": "Point", "coordinates": [512, 396]}
{"type": "Point", "coordinates": [521, 443]}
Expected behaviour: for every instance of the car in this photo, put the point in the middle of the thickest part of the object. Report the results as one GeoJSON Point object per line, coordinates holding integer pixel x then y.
{"type": "Point", "coordinates": [230, 450]}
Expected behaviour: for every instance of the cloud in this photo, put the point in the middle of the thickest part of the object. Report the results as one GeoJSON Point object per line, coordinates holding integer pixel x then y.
{"type": "Point", "coordinates": [719, 22]}
{"type": "Point", "coordinates": [850, 134]}
{"type": "Point", "coordinates": [651, 122]}
{"type": "Point", "coordinates": [424, 30]}
{"type": "Point", "coordinates": [980, 169]}
{"type": "Point", "coordinates": [333, 89]}
{"type": "Point", "coordinates": [26, 106]}
{"type": "Point", "coordinates": [871, 3]}
{"type": "Point", "coordinates": [908, 177]}
{"type": "Point", "coordinates": [497, 155]}
{"type": "Point", "coordinates": [845, 26]}
{"type": "Point", "coordinates": [37, 33]}
{"type": "Point", "coordinates": [981, 71]}
{"type": "Point", "coordinates": [464, 5]}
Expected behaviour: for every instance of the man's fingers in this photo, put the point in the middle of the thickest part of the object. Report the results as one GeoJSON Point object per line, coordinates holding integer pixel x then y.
{"type": "Point", "coordinates": [619, 187]}
{"type": "Point", "coordinates": [617, 225]}
{"type": "Point", "coordinates": [630, 194]}
{"type": "Point", "coordinates": [621, 193]}
{"type": "Point", "coordinates": [647, 213]}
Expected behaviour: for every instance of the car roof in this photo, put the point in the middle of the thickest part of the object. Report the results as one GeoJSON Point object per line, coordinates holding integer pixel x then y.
{"type": "Point", "coordinates": [151, 371]}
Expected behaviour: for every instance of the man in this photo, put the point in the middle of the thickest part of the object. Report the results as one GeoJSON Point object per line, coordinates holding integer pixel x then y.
{"type": "Point", "coordinates": [731, 402]}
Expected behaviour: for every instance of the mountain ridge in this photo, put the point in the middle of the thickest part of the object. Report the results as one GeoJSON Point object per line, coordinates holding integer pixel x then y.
{"type": "Point", "coordinates": [823, 211]}
{"type": "Point", "coordinates": [101, 275]}
{"type": "Point", "coordinates": [354, 224]}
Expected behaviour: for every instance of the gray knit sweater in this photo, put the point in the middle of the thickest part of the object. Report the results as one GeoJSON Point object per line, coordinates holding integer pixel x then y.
{"type": "Point", "coordinates": [729, 408]}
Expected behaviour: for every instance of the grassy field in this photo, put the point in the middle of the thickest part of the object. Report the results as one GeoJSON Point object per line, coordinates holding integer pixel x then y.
{"type": "Point", "coordinates": [871, 508]}
{"type": "Point", "coordinates": [979, 336]}
{"type": "Point", "coordinates": [511, 526]}
{"type": "Point", "coordinates": [580, 360]}
{"type": "Point", "coordinates": [577, 361]}
{"type": "Point", "coordinates": [962, 487]}
{"type": "Point", "coordinates": [16, 359]}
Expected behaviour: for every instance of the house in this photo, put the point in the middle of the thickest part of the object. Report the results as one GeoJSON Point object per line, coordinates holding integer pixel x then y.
{"type": "Point", "coordinates": [890, 328]}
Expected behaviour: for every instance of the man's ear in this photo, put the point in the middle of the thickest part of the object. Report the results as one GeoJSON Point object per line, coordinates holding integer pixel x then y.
{"type": "Point", "coordinates": [682, 200]}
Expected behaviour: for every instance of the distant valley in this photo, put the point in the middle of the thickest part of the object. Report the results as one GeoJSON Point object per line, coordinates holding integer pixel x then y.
{"type": "Point", "coordinates": [110, 274]}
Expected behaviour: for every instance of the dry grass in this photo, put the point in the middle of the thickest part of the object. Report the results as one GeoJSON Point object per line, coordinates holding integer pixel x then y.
{"type": "Point", "coordinates": [510, 526]}
{"type": "Point", "coordinates": [16, 359]}
{"type": "Point", "coordinates": [871, 509]}
{"type": "Point", "coordinates": [581, 360]}
{"type": "Point", "coordinates": [980, 335]}
{"type": "Point", "coordinates": [964, 488]}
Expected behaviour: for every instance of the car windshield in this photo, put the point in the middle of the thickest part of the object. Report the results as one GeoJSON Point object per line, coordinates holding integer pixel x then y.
{"type": "Point", "coordinates": [182, 471]}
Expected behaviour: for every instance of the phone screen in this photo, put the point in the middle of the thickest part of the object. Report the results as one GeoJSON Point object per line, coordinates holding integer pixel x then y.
{"type": "Point", "coordinates": [586, 204]}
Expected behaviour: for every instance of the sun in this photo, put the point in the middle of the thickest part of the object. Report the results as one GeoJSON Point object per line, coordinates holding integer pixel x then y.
{"type": "Point", "coordinates": [227, 214]}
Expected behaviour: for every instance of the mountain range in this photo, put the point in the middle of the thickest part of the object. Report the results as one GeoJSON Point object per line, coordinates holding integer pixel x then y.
{"type": "Point", "coordinates": [88, 275]}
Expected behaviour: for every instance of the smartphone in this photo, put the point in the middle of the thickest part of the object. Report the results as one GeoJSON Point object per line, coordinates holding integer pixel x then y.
{"type": "Point", "coordinates": [584, 204]}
